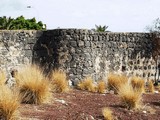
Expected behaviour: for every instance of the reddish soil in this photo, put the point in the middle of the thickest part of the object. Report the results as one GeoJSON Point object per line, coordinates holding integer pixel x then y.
{"type": "Point", "coordinates": [83, 105]}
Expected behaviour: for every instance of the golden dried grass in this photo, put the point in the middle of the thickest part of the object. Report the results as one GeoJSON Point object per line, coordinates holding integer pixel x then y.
{"type": "Point", "coordinates": [158, 88]}
{"type": "Point", "coordinates": [9, 103]}
{"type": "Point", "coordinates": [138, 84]}
{"type": "Point", "coordinates": [59, 81]}
{"type": "Point", "coordinates": [34, 87]}
{"type": "Point", "coordinates": [115, 81]}
{"type": "Point", "coordinates": [2, 77]}
{"type": "Point", "coordinates": [150, 86]}
{"type": "Point", "coordinates": [101, 87]}
{"type": "Point", "coordinates": [87, 84]}
{"type": "Point", "coordinates": [130, 98]}
{"type": "Point", "coordinates": [107, 113]}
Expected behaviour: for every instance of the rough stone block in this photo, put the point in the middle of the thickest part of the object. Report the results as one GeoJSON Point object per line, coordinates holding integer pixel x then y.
{"type": "Point", "coordinates": [80, 43]}
{"type": "Point", "coordinates": [73, 43]}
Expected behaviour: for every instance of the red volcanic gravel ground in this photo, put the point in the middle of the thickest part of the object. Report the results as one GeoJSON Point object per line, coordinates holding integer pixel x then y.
{"type": "Point", "coordinates": [83, 105]}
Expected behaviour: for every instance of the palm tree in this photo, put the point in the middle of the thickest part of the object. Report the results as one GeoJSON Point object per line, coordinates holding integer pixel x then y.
{"type": "Point", "coordinates": [6, 23]}
{"type": "Point", "coordinates": [101, 28]}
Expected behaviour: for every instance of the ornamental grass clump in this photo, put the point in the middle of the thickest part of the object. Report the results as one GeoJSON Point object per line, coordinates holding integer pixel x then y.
{"type": "Point", "coordinates": [9, 104]}
{"type": "Point", "coordinates": [107, 113]}
{"type": "Point", "coordinates": [115, 81]}
{"type": "Point", "coordinates": [138, 84]}
{"type": "Point", "coordinates": [101, 87]}
{"type": "Point", "coordinates": [2, 77]}
{"type": "Point", "coordinates": [87, 84]}
{"type": "Point", "coordinates": [150, 86]}
{"type": "Point", "coordinates": [34, 87]}
{"type": "Point", "coordinates": [59, 81]}
{"type": "Point", "coordinates": [130, 98]}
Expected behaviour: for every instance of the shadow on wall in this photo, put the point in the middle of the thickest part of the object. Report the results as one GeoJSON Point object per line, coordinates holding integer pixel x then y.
{"type": "Point", "coordinates": [81, 52]}
{"type": "Point", "coordinates": [45, 51]}
{"type": "Point", "coordinates": [143, 46]}
{"type": "Point", "coordinates": [144, 56]}
{"type": "Point", "coordinates": [156, 55]}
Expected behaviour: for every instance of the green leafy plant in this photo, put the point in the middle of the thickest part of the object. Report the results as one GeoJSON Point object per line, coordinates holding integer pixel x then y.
{"type": "Point", "coordinates": [100, 28]}
{"type": "Point", "coordinates": [20, 23]}
{"type": "Point", "coordinates": [155, 26]}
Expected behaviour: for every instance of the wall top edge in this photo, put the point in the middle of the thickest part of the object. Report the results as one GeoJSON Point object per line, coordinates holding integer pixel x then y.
{"type": "Point", "coordinates": [21, 30]}
{"type": "Point", "coordinates": [77, 30]}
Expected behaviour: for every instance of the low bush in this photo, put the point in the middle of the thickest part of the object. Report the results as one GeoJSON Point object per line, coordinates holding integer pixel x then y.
{"type": "Point", "coordinates": [107, 113]}
{"type": "Point", "coordinates": [138, 84]}
{"type": "Point", "coordinates": [115, 81]}
{"type": "Point", "coordinates": [34, 87]}
{"type": "Point", "coordinates": [59, 81]}
{"type": "Point", "coordinates": [130, 98]}
{"type": "Point", "coordinates": [9, 103]}
{"type": "Point", "coordinates": [101, 87]}
{"type": "Point", "coordinates": [150, 86]}
{"type": "Point", "coordinates": [87, 84]}
{"type": "Point", "coordinates": [2, 77]}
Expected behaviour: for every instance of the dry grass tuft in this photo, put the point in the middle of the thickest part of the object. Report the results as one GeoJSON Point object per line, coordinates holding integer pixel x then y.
{"type": "Point", "coordinates": [34, 87]}
{"type": "Point", "coordinates": [115, 81]}
{"type": "Point", "coordinates": [2, 77]}
{"type": "Point", "coordinates": [150, 86]}
{"type": "Point", "coordinates": [101, 87]}
{"type": "Point", "coordinates": [138, 84]}
{"type": "Point", "coordinates": [131, 98]}
{"type": "Point", "coordinates": [159, 88]}
{"type": "Point", "coordinates": [87, 84]}
{"type": "Point", "coordinates": [9, 104]}
{"type": "Point", "coordinates": [107, 113]}
{"type": "Point", "coordinates": [59, 81]}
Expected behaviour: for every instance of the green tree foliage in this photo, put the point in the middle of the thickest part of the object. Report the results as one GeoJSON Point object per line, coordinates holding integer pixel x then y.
{"type": "Point", "coordinates": [100, 28]}
{"type": "Point", "coordinates": [20, 23]}
{"type": "Point", "coordinates": [6, 23]}
{"type": "Point", "coordinates": [155, 26]}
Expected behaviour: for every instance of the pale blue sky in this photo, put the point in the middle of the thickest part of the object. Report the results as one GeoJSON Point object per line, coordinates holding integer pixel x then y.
{"type": "Point", "coordinates": [119, 15]}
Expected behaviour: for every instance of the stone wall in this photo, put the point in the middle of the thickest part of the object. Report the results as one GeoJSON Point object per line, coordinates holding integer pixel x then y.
{"type": "Point", "coordinates": [80, 52]}
{"type": "Point", "coordinates": [16, 48]}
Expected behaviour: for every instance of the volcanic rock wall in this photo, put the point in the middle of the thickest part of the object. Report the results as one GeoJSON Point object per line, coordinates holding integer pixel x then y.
{"type": "Point", "coordinates": [80, 52]}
